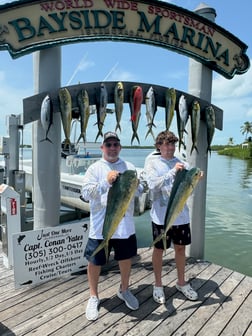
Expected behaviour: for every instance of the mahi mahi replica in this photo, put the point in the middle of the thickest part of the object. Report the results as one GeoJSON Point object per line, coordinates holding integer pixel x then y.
{"type": "Point", "coordinates": [184, 184]}
{"type": "Point", "coordinates": [119, 198]}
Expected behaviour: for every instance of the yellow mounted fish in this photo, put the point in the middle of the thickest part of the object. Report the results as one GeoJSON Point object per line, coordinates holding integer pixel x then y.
{"type": "Point", "coordinates": [170, 102]}
{"type": "Point", "coordinates": [119, 197]}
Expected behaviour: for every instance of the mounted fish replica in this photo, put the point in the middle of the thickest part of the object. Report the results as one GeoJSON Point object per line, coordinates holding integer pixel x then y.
{"type": "Point", "coordinates": [46, 116]}
{"type": "Point", "coordinates": [170, 102]}
{"type": "Point", "coordinates": [136, 99]}
{"type": "Point", "coordinates": [118, 99]}
{"type": "Point", "coordinates": [84, 112]}
{"type": "Point", "coordinates": [182, 118]}
{"type": "Point", "coordinates": [66, 114]}
{"type": "Point", "coordinates": [101, 106]}
{"type": "Point", "coordinates": [195, 124]}
{"type": "Point", "coordinates": [184, 184]}
{"type": "Point", "coordinates": [210, 126]}
{"type": "Point", "coordinates": [119, 197]}
{"type": "Point", "coordinates": [151, 109]}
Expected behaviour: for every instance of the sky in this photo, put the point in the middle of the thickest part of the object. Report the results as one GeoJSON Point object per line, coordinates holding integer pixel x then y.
{"type": "Point", "coordinates": [124, 61]}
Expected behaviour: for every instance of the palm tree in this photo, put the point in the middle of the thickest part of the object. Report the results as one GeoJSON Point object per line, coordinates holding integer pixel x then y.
{"type": "Point", "coordinates": [246, 128]}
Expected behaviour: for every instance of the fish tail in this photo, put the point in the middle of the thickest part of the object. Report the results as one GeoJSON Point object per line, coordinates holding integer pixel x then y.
{"type": "Point", "coordinates": [82, 135]}
{"type": "Point", "coordinates": [46, 139]}
{"type": "Point", "coordinates": [118, 127]}
{"type": "Point", "coordinates": [98, 134]}
{"type": "Point", "coordinates": [135, 135]}
{"type": "Point", "coordinates": [100, 247]}
{"type": "Point", "coordinates": [158, 238]}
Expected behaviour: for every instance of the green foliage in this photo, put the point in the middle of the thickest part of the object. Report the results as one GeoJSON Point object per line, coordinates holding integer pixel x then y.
{"type": "Point", "coordinates": [236, 151]}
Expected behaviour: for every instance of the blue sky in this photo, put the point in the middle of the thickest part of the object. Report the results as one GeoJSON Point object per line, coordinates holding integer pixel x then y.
{"type": "Point", "coordinates": [113, 61]}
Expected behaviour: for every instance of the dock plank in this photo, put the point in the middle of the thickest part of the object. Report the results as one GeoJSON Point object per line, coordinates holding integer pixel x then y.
{"type": "Point", "coordinates": [57, 307]}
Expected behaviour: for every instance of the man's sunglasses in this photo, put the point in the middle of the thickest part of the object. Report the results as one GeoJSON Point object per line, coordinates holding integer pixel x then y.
{"type": "Point", "coordinates": [110, 144]}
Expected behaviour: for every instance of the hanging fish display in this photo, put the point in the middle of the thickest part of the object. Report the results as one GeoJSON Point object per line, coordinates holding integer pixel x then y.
{"type": "Point", "coordinates": [151, 109]}
{"type": "Point", "coordinates": [66, 114]}
{"type": "Point", "coordinates": [195, 124]}
{"type": "Point", "coordinates": [119, 99]}
{"type": "Point", "coordinates": [210, 126]}
{"type": "Point", "coordinates": [84, 111]}
{"type": "Point", "coordinates": [101, 106]}
{"type": "Point", "coordinates": [136, 99]}
{"type": "Point", "coordinates": [170, 102]}
{"type": "Point", "coordinates": [46, 116]}
{"type": "Point", "coordinates": [182, 117]}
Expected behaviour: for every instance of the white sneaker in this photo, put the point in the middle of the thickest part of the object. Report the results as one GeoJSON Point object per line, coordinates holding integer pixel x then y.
{"type": "Point", "coordinates": [92, 308]}
{"type": "Point", "coordinates": [158, 294]}
{"type": "Point", "coordinates": [188, 292]}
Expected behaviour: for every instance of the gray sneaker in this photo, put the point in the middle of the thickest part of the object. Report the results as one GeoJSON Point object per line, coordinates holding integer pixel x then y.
{"type": "Point", "coordinates": [129, 299]}
{"type": "Point", "coordinates": [92, 308]}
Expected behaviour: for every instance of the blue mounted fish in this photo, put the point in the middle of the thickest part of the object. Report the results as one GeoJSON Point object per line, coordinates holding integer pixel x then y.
{"type": "Point", "coordinates": [46, 116]}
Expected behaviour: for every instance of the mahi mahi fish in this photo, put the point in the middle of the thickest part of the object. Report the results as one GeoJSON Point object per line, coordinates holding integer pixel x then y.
{"type": "Point", "coordinates": [210, 125]}
{"type": "Point", "coordinates": [119, 99]}
{"type": "Point", "coordinates": [136, 99]}
{"type": "Point", "coordinates": [119, 197]}
{"type": "Point", "coordinates": [101, 106]}
{"type": "Point", "coordinates": [46, 116]}
{"type": "Point", "coordinates": [195, 124]}
{"type": "Point", "coordinates": [84, 109]}
{"type": "Point", "coordinates": [66, 114]}
{"type": "Point", "coordinates": [170, 102]}
{"type": "Point", "coordinates": [151, 109]}
{"type": "Point", "coordinates": [184, 184]}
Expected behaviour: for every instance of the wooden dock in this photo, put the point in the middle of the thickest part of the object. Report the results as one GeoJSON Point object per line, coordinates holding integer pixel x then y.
{"type": "Point", "coordinates": [57, 307]}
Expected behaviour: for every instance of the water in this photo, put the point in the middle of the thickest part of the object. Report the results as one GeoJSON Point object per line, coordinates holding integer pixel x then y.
{"type": "Point", "coordinates": [228, 231]}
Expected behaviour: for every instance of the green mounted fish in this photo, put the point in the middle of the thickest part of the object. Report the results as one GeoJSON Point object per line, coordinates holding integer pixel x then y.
{"type": "Point", "coordinates": [170, 102]}
{"type": "Point", "coordinates": [184, 184]}
{"type": "Point", "coordinates": [195, 124]}
{"type": "Point", "coordinates": [210, 125]}
{"type": "Point", "coordinates": [119, 198]}
{"type": "Point", "coordinates": [66, 114]}
{"type": "Point", "coordinates": [84, 111]}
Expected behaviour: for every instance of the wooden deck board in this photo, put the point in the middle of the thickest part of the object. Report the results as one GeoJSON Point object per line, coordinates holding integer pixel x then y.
{"type": "Point", "coordinates": [57, 307]}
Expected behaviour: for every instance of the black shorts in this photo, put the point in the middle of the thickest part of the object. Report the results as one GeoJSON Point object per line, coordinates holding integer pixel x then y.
{"type": "Point", "coordinates": [123, 248]}
{"type": "Point", "coordinates": [178, 234]}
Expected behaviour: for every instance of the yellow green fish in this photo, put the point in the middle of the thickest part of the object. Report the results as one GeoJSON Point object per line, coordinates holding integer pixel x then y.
{"type": "Point", "coordinates": [119, 198]}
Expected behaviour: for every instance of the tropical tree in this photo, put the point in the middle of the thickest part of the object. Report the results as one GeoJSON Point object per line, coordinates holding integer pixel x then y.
{"type": "Point", "coordinates": [246, 128]}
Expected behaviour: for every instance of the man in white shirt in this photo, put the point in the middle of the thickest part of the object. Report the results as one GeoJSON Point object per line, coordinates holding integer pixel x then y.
{"type": "Point", "coordinates": [98, 179]}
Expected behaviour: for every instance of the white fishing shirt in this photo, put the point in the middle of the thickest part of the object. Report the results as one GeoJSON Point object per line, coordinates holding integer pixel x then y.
{"type": "Point", "coordinates": [160, 174]}
{"type": "Point", "coordinates": [95, 190]}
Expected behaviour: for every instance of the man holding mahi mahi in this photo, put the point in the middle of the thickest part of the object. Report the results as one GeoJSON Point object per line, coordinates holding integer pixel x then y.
{"type": "Point", "coordinates": [98, 179]}
{"type": "Point", "coordinates": [160, 174]}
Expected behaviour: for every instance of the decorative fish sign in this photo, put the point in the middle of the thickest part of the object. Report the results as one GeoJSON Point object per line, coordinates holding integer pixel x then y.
{"type": "Point", "coordinates": [119, 99]}
{"type": "Point", "coordinates": [46, 116]}
{"type": "Point", "coordinates": [65, 101]}
{"type": "Point", "coordinates": [136, 99]}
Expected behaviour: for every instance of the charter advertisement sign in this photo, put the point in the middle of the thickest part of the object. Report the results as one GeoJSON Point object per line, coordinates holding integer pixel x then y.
{"type": "Point", "coordinates": [26, 26]}
{"type": "Point", "coordinates": [48, 253]}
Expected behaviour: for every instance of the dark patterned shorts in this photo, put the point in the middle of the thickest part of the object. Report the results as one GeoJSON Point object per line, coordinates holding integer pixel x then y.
{"type": "Point", "coordinates": [178, 234]}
